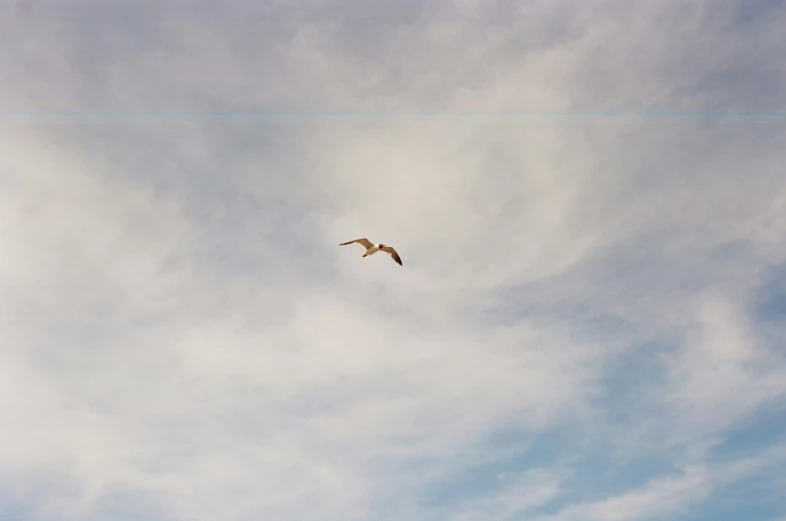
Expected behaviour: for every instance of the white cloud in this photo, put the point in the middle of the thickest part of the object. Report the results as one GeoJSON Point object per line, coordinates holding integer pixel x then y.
{"type": "Point", "coordinates": [722, 375]}
{"type": "Point", "coordinates": [158, 381]}
{"type": "Point", "coordinates": [658, 498]}
{"type": "Point", "coordinates": [673, 494]}
{"type": "Point", "coordinates": [518, 493]}
{"type": "Point", "coordinates": [179, 323]}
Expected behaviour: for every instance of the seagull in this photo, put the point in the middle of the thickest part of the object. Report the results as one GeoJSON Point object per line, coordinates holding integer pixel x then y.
{"type": "Point", "coordinates": [372, 248]}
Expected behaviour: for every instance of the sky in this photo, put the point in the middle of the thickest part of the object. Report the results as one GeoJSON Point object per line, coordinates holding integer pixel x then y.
{"type": "Point", "coordinates": [588, 198]}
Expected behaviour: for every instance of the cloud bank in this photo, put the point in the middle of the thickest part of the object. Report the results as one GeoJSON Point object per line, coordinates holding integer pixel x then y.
{"type": "Point", "coordinates": [588, 325]}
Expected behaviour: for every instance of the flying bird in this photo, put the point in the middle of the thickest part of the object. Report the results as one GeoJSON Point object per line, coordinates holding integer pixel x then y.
{"type": "Point", "coordinates": [372, 248]}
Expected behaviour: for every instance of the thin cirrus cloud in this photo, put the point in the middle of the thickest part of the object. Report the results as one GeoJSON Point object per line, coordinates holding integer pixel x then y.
{"type": "Point", "coordinates": [588, 324]}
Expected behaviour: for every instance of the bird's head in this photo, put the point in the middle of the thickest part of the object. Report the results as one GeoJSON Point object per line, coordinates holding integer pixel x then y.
{"type": "Point", "coordinates": [381, 245]}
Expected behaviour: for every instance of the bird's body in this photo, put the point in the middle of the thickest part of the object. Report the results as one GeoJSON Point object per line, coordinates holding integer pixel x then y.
{"type": "Point", "coordinates": [371, 251]}
{"type": "Point", "coordinates": [372, 248]}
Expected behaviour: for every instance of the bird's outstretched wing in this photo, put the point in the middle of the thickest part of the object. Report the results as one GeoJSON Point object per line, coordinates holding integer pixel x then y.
{"type": "Point", "coordinates": [393, 253]}
{"type": "Point", "coordinates": [365, 242]}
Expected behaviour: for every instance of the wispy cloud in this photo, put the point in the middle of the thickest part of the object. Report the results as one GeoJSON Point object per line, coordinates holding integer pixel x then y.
{"type": "Point", "coordinates": [667, 496]}
{"type": "Point", "coordinates": [517, 494]}
{"type": "Point", "coordinates": [587, 323]}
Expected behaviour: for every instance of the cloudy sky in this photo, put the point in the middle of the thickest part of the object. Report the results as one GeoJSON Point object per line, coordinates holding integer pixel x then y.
{"type": "Point", "coordinates": [589, 324]}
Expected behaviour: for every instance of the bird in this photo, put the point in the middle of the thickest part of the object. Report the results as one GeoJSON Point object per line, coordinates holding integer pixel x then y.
{"type": "Point", "coordinates": [372, 248]}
